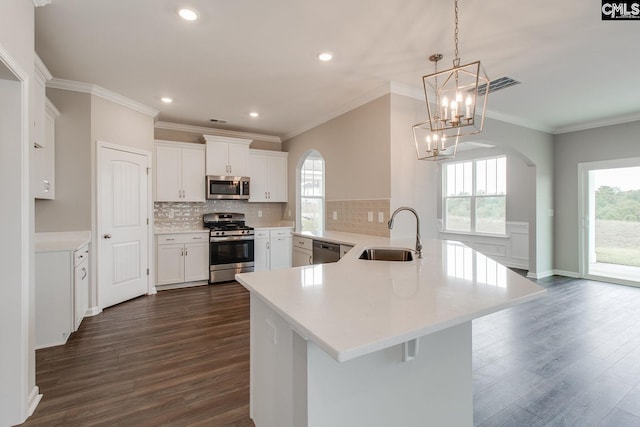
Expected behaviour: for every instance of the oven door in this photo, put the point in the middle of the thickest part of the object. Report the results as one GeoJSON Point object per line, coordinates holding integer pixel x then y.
{"type": "Point", "coordinates": [230, 257]}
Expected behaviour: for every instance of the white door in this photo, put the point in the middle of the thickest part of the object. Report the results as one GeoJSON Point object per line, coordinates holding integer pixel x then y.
{"type": "Point", "coordinates": [122, 225]}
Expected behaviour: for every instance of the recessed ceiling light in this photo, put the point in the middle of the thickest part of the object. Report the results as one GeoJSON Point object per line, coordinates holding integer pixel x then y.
{"type": "Point", "coordinates": [325, 56]}
{"type": "Point", "coordinates": [166, 100]}
{"type": "Point", "coordinates": [254, 114]}
{"type": "Point", "coordinates": [188, 14]}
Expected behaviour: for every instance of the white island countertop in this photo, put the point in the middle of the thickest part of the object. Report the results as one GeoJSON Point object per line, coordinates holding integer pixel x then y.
{"type": "Point", "coordinates": [355, 307]}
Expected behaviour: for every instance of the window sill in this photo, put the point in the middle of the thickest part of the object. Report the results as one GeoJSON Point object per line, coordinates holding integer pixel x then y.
{"type": "Point", "coordinates": [464, 233]}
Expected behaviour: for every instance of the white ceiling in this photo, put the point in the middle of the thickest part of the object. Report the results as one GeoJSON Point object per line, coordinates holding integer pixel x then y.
{"type": "Point", "coordinates": [244, 55]}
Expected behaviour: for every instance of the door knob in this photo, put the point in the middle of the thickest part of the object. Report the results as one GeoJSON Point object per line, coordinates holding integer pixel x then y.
{"type": "Point", "coordinates": [107, 236]}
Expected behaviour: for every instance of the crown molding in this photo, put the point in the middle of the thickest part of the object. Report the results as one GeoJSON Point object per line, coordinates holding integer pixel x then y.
{"type": "Point", "coordinates": [216, 132]}
{"type": "Point", "coordinates": [598, 124]}
{"type": "Point", "coordinates": [50, 108]}
{"type": "Point", "coordinates": [345, 108]}
{"type": "Point", "coordinates": [41, 68]}
{"type": "Point", "coordinates": [38, 3]}
{"type": "Point", "coordinates": [518, 121]}
{"type": "Point", "coordinates": [103, 93]}
{"type": "Point", "coordinates": [406, 90]}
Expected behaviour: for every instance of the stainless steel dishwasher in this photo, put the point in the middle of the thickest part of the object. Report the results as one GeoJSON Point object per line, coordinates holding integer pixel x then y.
{"type": "Point", "coordinates": [324, 252]}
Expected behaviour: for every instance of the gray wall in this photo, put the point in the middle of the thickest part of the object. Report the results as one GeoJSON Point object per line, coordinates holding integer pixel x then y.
{"type": "Point", "coordinates": [605, 143]}
{"type": "Point", "coordinates": [355, 147]}
{"type": "Point", "coordinates": [71, 209]}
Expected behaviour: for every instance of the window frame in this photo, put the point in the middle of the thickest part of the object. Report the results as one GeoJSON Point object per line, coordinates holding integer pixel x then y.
{"type": "Point", "coordinates": [473, 197]}
{"type": "Point", "coordinates": [300, 196]}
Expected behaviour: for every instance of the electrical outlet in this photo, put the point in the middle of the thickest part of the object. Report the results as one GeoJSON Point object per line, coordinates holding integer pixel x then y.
{"type": "Point", "coordinates": [370, 216]}
{"type": "Point", "coordinates": [335, 215]}
{"type": "Point", "coordinates": [259, 214]}
{"type": "Point", "coordinates": [289, 213]}
{"type": "Point", "coordinates": [380, 216]}
{"type": "Point", "coordinates": [171, 214]}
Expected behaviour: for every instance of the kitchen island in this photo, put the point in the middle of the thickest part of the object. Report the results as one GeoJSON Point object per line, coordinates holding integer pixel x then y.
{"type": "Point", "coordinates": [373, 343]}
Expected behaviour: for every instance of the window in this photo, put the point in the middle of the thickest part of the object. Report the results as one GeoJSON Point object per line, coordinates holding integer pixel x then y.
{"type": "Point", "coordinates": [312, 193]}
{"type": "Point", "coordinates": [475, 196]}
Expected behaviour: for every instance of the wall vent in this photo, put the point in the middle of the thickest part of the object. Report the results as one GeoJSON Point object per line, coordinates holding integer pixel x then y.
{"type": "Point", "coordinates": [497, 84]}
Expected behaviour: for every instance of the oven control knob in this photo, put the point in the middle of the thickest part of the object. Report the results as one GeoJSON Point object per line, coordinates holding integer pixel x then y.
{"type": "Point", "coordinates": [217, 233]}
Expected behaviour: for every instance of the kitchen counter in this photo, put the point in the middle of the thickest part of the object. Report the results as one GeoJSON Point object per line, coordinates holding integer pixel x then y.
{"type": "Point", "coordinates": [61, 241]}
{"type": "Point", "coordinates": [173, 230]}
{"type": "Point", "coordinates": [373, 343]}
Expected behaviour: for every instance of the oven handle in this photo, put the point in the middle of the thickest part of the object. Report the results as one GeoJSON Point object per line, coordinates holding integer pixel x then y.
{"type": "Point", "coordinates": [229, 239]}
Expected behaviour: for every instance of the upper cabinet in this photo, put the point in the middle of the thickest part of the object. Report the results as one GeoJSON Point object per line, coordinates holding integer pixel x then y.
{"type": "Point", "coordinates": [227, 156]}
{"type": "Point", "coordinates": [268, 176]}
{"type": "Point", "coordinates": [179, 172]}
{"type": "Point", "coordinates": [43, 115]}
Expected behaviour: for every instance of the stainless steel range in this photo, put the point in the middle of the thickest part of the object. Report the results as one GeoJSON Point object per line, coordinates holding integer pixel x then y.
{"type": "Point", "coordinates": [231, 245]}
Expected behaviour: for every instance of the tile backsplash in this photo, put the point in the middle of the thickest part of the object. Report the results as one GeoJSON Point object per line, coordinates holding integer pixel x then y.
{"type": "Point", "coordinates": [188, 215]}
{"type": "Point", "coordinates": [352, 216]}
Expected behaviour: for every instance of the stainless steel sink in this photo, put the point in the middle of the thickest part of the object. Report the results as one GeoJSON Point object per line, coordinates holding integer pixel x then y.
{"type": "Point", "coordinates": [387, 254]}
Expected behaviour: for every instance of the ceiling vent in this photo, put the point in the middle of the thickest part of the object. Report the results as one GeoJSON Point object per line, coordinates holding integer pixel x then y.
{"type": "Point", "coordinates": [497, 84]}
{"type": "Point", "coordinates": [217, 120]}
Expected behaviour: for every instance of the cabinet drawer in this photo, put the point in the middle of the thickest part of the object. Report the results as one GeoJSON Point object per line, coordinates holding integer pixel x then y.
{"type": "Point", "coordinates": [80, 255]}
{"type": "Point", "coordinates": [302, 242]}
{"type": "Point", "coordinates": [280, 232]}
{"type": "Point", "coordinates": [261, 233]}
{"type": "Point", "coordinates": [165, 239]}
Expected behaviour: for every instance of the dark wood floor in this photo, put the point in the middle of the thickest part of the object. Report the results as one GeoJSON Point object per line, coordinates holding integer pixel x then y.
{"type": "Point", "coordinates": [181, 358]}
{"type": "Point", "coordinates": [177, 358]}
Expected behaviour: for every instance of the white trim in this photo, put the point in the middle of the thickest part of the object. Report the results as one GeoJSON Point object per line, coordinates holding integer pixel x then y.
{"type": "Point", "coordinates": [51, 109]}
{"type": "Point", "coordinates": [271, 153]}
{"type": "Point", "coordinates": [614, 280]}
{"type": "Point", "coordinates": [225, 139]}
{"type": "Point", "coordinates": [597, 124]}
{"type": "Point", "coordinates": [101, 93]}
{"type": "Point", "coordinates": [42, 69]}
{"type": "Point", "coordinates": [216, 132]}
{"type": "Point", "coordinates": [38, 3]}
{"type": "Point", "coordinates": [92, 311]}
{"type": "Point", "coordinates": [540, 275]}
{"type": "Point", "coordinates": [566, 273]}
{"type": "Point", "coordinates": [190, 145]}
{"type": "Point", "coordinates": [34, 399]}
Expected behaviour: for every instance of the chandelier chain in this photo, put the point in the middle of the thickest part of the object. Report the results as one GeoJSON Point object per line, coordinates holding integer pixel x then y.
{"type": "Point", "coordinates": [456, 60]}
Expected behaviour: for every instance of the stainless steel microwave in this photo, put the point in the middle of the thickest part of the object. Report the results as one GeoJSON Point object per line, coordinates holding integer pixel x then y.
{"type": "Point", "coordinates": [227, 187]}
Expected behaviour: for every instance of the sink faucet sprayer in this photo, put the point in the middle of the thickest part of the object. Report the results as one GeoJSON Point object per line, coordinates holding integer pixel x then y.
{"type": "Point", "coordinates": [418, 242]}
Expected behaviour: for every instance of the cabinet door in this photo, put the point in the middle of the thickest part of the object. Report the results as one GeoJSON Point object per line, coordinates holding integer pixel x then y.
{"type": "Point", "coordinates": [281, 249]}
{"type": "Point", "coordinates": [49, 160]}
{"type": "Point", "coordinates": [196, 262]}
{"type": "Point", "coordinates": [193, 175]}
{"type": "Point", "coordinates": [170, 264]}
{"type": "Point", "coordinates": [261, 255]}
{"type": "Point", "coordinates": [168, 174]}
{"type": "Point", "coordinates": [217, 158]}
{"type": "Point", "coordinates": [277, 179]}
{"type": "Point", "coordinates": [81, 294]}
{"type": "Point", "coordinates": [302, 257]}
{"type": "Point", "coordinates": [258, 186]}
{"type": "Point", "coordinates": [238, 160]}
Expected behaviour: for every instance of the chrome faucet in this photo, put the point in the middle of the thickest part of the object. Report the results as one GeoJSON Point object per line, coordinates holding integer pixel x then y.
{"type": "Point", "coordinates": [418, 242]}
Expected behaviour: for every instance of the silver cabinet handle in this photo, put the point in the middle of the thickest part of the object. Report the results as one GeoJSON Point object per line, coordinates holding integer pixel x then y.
{"type": "Point", "coordinates": [107, 236]}
{"type": "Point", "coordinates": [310, 260]}
{"type": "Point", "coordinates": [186, 252]}
{"type": "Point", "coordinates": [169, 238]}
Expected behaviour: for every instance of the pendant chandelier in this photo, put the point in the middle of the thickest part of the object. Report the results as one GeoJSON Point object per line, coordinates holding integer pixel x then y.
{"type": "Point", "coordinates": [456, 103]}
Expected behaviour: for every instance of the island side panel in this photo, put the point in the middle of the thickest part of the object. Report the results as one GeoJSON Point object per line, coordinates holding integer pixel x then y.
{"type": "Point", "coordinates": [271, 364]}
{"type": "Point", "coordinates": [379, 389]}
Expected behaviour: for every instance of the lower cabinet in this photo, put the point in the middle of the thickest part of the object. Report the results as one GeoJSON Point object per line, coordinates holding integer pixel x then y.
{"type": "Point", "coordinates": [62, 294]}
{"type": "Point", "coordinates": [182, 258]}
{"type": "Point", "coordinates": [302, 251]}
{"type": "Point", "coordinates": [272, 248]}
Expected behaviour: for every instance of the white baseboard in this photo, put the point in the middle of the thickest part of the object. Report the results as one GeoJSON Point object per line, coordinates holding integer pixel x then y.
{"type": "Point", "coordinates": [540, 275]}
{"type": "Point", "coordinates": [181, 285]}
{"type": "Point", "coordinates": [34, 399]}
{"type": "Point", "coordinates": [567, 273]}
{"type": "Point", "coordinates": [92, 311]}
{"type": "Point", "coordinates": [153, 291]}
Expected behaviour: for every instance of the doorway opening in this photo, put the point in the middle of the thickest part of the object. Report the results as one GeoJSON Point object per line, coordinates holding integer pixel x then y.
{"type": "Point", "coordinates": [611, 220]}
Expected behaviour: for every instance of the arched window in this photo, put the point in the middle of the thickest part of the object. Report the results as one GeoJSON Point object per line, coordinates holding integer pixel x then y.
{"type": "Point", "coordinates": [311, 192]}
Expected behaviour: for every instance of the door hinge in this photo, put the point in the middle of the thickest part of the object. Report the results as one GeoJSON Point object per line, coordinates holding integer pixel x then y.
{"type": "Point", "coordinates": [147, 271]}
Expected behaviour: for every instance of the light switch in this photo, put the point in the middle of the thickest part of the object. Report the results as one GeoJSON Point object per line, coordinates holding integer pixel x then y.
{"type": "Point", "coordinates": [380, 216]}
{"type": "Point", "coordinates": [171, 214]}
{"type": "Point", "coordinates": [259, 214]}
{"type": "Point", "coordinates": [370, 216]}
{"type": "Point", "coordinates": [335, 215]}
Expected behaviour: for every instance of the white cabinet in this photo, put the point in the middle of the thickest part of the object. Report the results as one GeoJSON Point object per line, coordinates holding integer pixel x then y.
{"type": "Point", "coordinates": [302, 251]}
{"type": "Point", "coordinates": [43, 114]}
{"type": "Point", "coordinates": [227, 156]}
{"type": "Point", "coordinates": [268, 176]}
{"type": "Point", "coordinates": [62, 294]}
{"type": "Point", "coordinates": [179, 172]}
{"type": "Point", "coordinates": [182, 258]}
{"type": "Point", "coordinates": [273, 248]}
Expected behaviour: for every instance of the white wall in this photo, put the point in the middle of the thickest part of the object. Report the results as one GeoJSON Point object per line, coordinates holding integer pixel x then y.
{"type": "Point", "coordinates": [605, 143]}
{"type": "Point", "coordinates": [17, 357]}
